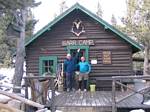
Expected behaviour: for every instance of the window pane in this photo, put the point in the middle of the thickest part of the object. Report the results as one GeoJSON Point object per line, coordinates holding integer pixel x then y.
{"type": "Point", "coordinates": [51, 63]}
{"type": "Point", "coordinates": [45, 63]}
{"type": "Point", "coordinates": [48, 66]}
{"type": "Point", "coordinates": [46, 69]}
{"type": "Point", "coordinates": [51, 69]}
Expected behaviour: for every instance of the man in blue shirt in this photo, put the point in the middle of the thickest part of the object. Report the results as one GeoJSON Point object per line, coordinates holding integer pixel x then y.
{"type": "Point", "coordinates": [84, 68]}
{"type": "Point", "coordinates": [69, 68]}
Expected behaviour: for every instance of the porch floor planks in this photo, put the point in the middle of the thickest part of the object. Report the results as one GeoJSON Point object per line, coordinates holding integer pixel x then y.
{"type": "Point", "coordinates": [59, 100]}
{"type": "Point", "coordinates": [76, 98]}
{"type": "Point", "coordinates": [84, 99]}
{"type": "Point", "coordinates": [107, 98]}
{"type": "Point", "coordinates": [102, 99]}
{"type": "Point", "coordinates": [97, 100]}
{"type": "Point", "coordinates": [69, 100]}
{"type": "Point", "coordinates": [88, 100]}
{"type": "Point", "coordinates": [92, 97]}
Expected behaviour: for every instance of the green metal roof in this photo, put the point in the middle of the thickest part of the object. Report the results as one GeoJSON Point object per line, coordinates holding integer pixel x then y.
{"type": "Point", "coordinates": [136, 47]}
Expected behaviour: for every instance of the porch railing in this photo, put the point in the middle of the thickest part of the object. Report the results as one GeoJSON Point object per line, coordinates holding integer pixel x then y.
{"type": "Point", "coordinates": [50, 84]}
{"type": "Point", "coordinates": [116, 80]}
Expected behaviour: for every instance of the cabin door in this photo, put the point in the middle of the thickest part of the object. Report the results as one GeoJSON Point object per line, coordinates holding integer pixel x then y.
{"type": "Point", "coordinates": [73, 52]}
{"type": "Point", "coordinates": [84, 51]}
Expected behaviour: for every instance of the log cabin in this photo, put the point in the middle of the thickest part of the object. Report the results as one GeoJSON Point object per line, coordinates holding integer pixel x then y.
{"type": "Point", "coordinates": [108, 50]}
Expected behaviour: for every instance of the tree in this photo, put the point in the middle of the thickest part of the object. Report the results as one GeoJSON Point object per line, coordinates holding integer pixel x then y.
{"type": "Point", "coordinates": [138, 26]}
{"type": "Point", "coordinates": [18, 9]}
{"type": "Point", "coordinates": [99, 10]}
{"type": "Point", "coordinates": [7, 45]}
{"type": "Point", "coordinates": [113, 20]}
{"type": "Point", "coordinates": [30, 23]}
{"type": "Point", "coordinates": [63, 6]}
{"type": "Point", "coordinates": [8, 41]}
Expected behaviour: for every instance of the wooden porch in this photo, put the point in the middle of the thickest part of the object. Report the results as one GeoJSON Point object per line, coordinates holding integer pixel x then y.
{"type": "Point", "coordinates": [96, 101]}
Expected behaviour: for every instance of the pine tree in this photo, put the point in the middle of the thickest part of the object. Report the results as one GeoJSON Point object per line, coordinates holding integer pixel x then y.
{"type": "Point", "coordinates": [99, 10]}
{"type": "Point", "coordinates": [63, 6]}
{"type": "Point", "coordinates": [9, 42]}
{"type": "Point", "coordinates": [113, 20]}
{"type": "Point", "coordinates": [18, 9]}
{"type": "Point", "coordinates": [138, 26]}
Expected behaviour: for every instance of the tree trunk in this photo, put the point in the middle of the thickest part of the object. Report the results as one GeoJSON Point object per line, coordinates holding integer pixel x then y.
{"type": "Point", "coordinates": [146, 58]}
{"type": "Point", "coordinates": [20, 54]}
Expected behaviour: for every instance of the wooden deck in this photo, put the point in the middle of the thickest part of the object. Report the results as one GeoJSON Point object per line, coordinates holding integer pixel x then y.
{"type": "Point", "coordinates": [99, 99]}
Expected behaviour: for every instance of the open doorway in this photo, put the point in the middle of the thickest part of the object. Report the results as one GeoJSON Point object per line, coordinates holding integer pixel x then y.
{"type": "Point", "coordinates": [84, 51]}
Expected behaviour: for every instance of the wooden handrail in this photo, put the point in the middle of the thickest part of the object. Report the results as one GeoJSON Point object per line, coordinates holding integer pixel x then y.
{"type": "Point", "coordinates": [115, 81]}
{"type": "Point", "coordinates": [42, 78]}
{"type": "Point", "coordinates": [134, 91]}
{"type": "Point", "coordinates": [24, 100]}
{"type": "Point", "coordinates": [39, 77]}
{"type": "Point", "coordinates": [130, 77]}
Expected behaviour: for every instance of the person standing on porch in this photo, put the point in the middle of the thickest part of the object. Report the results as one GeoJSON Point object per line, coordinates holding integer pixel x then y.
{"type": "Point", "coordinates": [69, 68]}
{"type": "Point", "coordinates": [85, 69]}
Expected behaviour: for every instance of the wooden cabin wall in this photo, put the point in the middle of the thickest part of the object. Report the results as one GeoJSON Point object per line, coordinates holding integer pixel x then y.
{"type": "Point", "coordinates": [49, 44]}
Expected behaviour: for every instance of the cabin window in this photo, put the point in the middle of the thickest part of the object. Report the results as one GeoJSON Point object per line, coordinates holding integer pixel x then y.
{"type": "Point", "coordinates": [47, 64]}
{"type": "Point", "coordinates": [106, 55]}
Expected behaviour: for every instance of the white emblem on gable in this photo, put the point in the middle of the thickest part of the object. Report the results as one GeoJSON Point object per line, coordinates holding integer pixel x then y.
{"type": "Point", "coordinates": [77, 27]}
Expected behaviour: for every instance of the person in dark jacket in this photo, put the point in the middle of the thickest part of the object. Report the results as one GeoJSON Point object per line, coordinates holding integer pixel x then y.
{"type": "Point", "coordinates": [70, 64]}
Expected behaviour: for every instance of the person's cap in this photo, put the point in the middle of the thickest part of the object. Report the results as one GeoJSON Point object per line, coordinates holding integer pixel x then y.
{"type": "Point", "coordinates": [68, 55]}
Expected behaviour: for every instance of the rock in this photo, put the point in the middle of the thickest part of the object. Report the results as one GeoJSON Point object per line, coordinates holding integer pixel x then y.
{"type": "Point", "coordinates": [6, 108]}
{"type": "Point", "coordinates": [15, 103]}
{"type": "Point", "coordinates": [42, 110]}
{"type": "Point", "coordinates": [4, 99]}
{"type": "Point", "coordinates": [2, 76]}
{"type": "Point", "coordinates": [138, 110]}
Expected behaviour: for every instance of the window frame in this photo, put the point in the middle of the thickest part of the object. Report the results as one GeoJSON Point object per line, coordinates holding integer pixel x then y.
{"type": "Point", "coordinates": [44, 58]}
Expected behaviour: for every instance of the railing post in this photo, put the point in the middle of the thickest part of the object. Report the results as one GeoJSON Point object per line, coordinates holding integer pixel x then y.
{"type": "Point", "coordinates": [26, 94]}
{"type": "Point", "coordinates": [113, 95]}
{"type": "Point", "coordinates": [53, 96]}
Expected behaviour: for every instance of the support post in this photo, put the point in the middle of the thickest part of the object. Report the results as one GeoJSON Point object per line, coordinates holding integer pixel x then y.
{"type": "Point", "coordinates": [26, 93]}
{"type": "Point", "coordinates": [53, 96]}
{"type": "Point", "coordinates": [113, 95]}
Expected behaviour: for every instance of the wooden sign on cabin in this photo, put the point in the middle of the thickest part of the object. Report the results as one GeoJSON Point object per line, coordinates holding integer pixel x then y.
{"type": "Point", "coordinates": [77, 42]}
{"type": "Point", "coordinates": [106, 57]}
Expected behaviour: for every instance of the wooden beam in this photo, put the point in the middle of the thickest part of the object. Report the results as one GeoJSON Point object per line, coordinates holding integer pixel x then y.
{"type": "Point", "coordinates": [8, 108]}
{"type": "Point", "coordinates": [39, 77]}
{"type": "Point", "coordinates": [130, 77]}
{"type": "Point", "coordinates": [114, 95]}
{"type": "Point", "coordinates": [26, 101]}
{"type": "Point", "coordinates": [134, 92]}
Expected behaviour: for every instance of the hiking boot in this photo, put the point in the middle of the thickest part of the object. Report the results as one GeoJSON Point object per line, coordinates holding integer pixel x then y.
{"type": "Point", "coordinates": [79, 90]}
{"type": "Point", "coordinates": [68, 89]}
{"type": "Point", "coordinates": [85, 90]}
